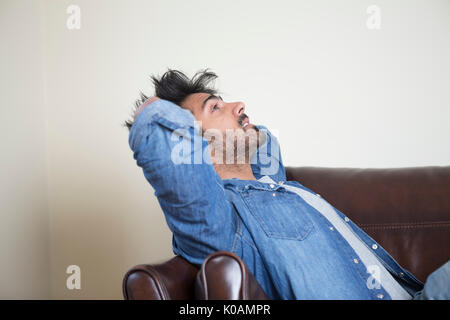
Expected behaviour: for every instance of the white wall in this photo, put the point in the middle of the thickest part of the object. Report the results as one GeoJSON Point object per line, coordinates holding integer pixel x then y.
{"type": "Point", "coordinates": [337, 93]}
{"type": "Point", "coordinates": [24, 222]}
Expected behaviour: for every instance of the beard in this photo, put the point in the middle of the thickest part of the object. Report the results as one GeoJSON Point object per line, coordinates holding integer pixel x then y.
{"type": "Point", "coordinates": [235, 146]}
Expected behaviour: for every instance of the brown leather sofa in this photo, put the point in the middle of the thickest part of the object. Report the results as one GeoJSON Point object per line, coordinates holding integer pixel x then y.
{"type": "Point", "coordinates": [406, 210]}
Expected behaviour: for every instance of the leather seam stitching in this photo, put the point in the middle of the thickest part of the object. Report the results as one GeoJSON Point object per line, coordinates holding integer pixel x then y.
{"type": "Point", "coordinates": [405, 226]}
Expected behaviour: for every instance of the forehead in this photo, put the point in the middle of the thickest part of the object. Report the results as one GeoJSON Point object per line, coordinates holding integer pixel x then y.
{"type": "Point", "coordinates": [194, 102]}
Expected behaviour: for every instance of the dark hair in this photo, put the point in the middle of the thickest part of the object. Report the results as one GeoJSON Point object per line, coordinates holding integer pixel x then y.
{"type": "Point", "coordinates": [175, 86]}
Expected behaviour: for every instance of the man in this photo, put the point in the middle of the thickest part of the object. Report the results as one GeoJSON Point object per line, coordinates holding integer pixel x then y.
{"type": "Point", "coordinates": [222, 185]}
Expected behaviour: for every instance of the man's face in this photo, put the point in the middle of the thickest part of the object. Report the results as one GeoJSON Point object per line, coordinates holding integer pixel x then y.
{"type": "Point", "coordinates": [227, 118]}
{"type": "Point", "coordinates": [214, 113]}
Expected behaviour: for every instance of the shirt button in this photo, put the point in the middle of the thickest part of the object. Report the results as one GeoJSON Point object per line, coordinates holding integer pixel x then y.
{"type": "Point", "coordinates": [272, 185]}
{"type": "Point", "coordinates": [273, 194]}
{"type": "Point", "coordinates": [331, 228]}
{"type": "Point", "coordinates": [355, 260]}
{"type": "Point", "coordinates": [280, 182]}
{"type": "Point", "coordinates": [318, 195]}
{"type": "Point", "coordinates": [374, 247]}
{"type": "Point", "coordinates": [380, 296]}
{"type": "Point", "coordinates": [346, 219]}
{"type": "Point", "coordinates": [401, 274]}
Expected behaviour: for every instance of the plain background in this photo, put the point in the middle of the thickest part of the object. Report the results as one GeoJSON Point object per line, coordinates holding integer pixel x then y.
{"type": "Point", "coordinates": [336, 93]}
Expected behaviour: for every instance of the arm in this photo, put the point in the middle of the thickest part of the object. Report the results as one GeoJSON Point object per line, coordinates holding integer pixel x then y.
{"type": "Point", "coordinates": [191, 195]}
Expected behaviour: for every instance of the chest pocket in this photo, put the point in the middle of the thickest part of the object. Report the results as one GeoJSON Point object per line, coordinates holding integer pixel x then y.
{"type": "Point", "coordinates": [281, 214]}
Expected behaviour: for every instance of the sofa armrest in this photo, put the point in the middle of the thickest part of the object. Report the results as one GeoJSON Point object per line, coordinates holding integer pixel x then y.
{"type": "Point", "coordinates": [224, 276]}
{"type": "Point", "coordinates": [171, 280]}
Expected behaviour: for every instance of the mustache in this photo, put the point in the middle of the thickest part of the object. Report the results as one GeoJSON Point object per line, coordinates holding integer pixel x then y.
{"type": "Point", "coordinates": [242, 118]}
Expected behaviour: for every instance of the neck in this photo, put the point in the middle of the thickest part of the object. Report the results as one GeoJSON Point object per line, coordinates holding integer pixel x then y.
{"type": "Point", "coordinates": [239, 171]}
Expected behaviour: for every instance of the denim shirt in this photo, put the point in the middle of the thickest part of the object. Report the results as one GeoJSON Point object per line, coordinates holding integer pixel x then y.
{"type": "Point", "coordinates": [283, 240]}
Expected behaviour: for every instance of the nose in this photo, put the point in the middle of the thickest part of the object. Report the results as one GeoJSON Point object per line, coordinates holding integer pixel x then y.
{"type": "Point", "coordinates": [238, 109]}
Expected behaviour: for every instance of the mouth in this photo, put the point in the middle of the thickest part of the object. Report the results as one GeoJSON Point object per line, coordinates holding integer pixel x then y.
{"type": "Point", "coordinates": [246, 122]}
